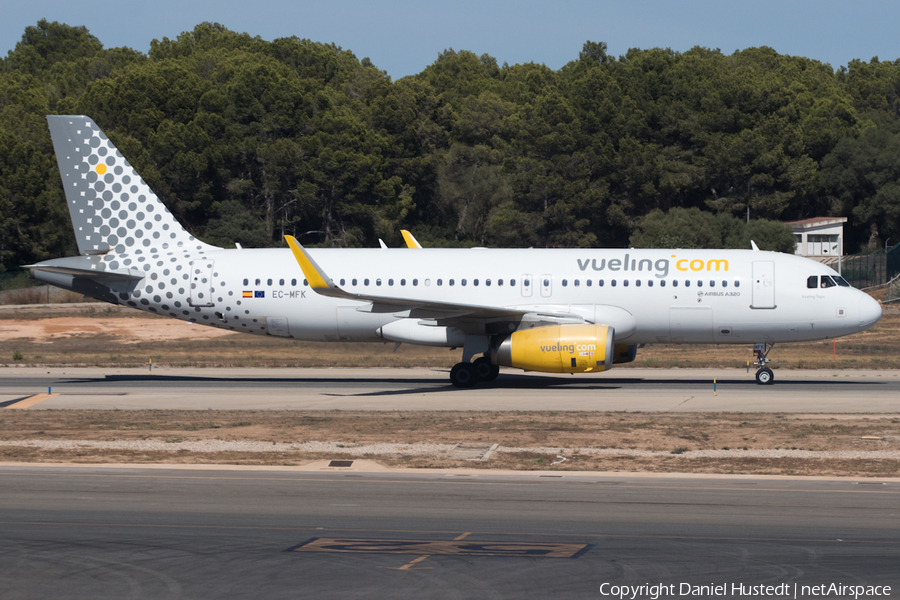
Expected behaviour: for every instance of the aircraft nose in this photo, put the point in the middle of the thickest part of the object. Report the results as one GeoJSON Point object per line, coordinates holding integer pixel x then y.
{"type": "Point", "coordinates": [869, 312]}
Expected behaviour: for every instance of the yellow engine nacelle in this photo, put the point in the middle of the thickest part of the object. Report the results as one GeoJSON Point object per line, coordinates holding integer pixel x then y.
{"type": "Point", "coordinates": [558, 349]}
{"type": "Point", "coordinates": [624, 353]}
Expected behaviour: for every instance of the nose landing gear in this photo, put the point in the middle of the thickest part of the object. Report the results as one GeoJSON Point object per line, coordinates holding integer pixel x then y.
{"type": "Point", "coordinates": [764, 375]}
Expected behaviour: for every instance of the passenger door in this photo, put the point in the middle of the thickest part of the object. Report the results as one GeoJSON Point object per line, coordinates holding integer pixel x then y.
{"type": "Point", "coordinates": [763, 284]}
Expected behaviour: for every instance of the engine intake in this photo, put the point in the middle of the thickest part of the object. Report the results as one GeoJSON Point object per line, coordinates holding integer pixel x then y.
{"type": "Point", "coordinates": [558, 349]}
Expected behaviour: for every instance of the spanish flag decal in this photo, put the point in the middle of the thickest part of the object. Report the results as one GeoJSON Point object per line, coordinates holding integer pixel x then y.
{"type": "Point", "coordinates": [248, 294]}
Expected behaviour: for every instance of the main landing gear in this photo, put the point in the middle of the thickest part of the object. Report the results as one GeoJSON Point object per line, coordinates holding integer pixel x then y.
{"type": "Point", "coordinates": [468, 374]}
{"type": "Point", "coordinates": [764, 375]}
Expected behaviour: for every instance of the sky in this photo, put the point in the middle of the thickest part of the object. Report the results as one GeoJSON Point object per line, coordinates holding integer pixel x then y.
{"type": "Point", "coordinates": [403, 37]}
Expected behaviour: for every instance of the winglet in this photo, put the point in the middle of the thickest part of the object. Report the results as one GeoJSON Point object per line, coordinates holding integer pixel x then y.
{"type": "Point", "coordinates": [411, 242]}
{"type": "Point", "coordinates": [754, 246]}
{"type": "Point", "coordinates": [316, 277]}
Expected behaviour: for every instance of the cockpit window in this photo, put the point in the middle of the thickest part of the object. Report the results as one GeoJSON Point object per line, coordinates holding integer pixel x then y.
{"type": "Point", "coordinates": [841, 281]}
{"type": "Point", "coordinates": [812, 282]}
{"type": "Point", "coordinates": [827, 282]}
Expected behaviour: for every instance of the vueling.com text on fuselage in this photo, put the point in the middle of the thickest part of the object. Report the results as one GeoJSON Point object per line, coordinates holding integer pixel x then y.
{"type": "Point", "coordinates": [660, 266]}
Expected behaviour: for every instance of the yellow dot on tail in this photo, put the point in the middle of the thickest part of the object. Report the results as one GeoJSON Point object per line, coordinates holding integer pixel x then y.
{"type": "Point", "coordinates": [101, 169]}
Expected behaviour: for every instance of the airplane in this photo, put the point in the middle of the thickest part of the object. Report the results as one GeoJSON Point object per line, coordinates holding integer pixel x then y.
{"type": "Point", "coordinates": [545, 310]}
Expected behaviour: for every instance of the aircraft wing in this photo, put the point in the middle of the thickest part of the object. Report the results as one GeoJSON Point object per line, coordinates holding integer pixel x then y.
{"type": "Point", "coordinates": [444, 312]}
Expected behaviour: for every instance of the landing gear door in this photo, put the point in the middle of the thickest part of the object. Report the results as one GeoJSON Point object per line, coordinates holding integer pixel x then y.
{"type": "Point", "coordinates": [763, 284]}
{"type": "Point", "coordinates": [201, 282]}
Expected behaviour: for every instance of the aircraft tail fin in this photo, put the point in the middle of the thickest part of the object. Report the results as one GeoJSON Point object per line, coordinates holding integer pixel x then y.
{"type": "Point", "coordinates": [113, 210]}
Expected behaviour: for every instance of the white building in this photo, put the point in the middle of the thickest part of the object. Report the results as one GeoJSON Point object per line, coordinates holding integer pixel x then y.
{"type": "Point", "coordinates": [819, 237]}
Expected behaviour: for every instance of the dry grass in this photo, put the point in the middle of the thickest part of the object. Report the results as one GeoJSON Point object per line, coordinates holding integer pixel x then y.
{"type": "Point", "coordinates": [542, 432]}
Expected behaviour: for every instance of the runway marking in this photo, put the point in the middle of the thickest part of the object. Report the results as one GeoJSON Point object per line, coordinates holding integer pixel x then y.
{"type": "Point", "coordinates": [27, 402]}
{"type": "Point", "coordinates": [426, 548]}
{"type": "Point", "coordinates": [410, 564]}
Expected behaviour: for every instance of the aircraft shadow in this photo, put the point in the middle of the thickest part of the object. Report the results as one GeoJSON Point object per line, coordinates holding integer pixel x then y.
{"type": "Point", "coordinates": [417, 385]}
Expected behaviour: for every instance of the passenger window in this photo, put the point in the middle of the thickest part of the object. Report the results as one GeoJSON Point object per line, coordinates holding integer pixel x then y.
{"type": "Point", "coordinates": [246, 282]}
{"type": "Point", "coordinates": [440, 282]}
{"type": "Point", "coordinates": [812, 282]}
{"type": "Point", "coordinates": [463, 282]}
{"type": "Point", "coordinates": [500, 282]}
{"type": "Point", "coordinates": [526, 283]}
{"type": "Point", "coordinates": [415, 282]}
{"type": "Point", "coordinates": [687, 283]}
{"type": "Point", "coordinates": [258, 281]}
{"type": "Point", "coordinates": [366, 281]}
{"type": "Point", "coordinates": [305, 282]}
{"type": "Point", "coordinates": [588, 283]}
{"type": "Point", "coordinates": [354, 281]}
{"type": "Point", "coordinates": [699, 283]}
{"type": "Point", "coordinates": [268, 282]}
{"type": "Point", "coordinates": [737, 283]}
{"type": "Point", "coordinates": [565, 282]}
{"type": "Point", "coordinates": [724, 283]}
{"type": "Point", "coordinates": [390, 282]}
{"type": "Point", "coordinates": [293, 282]}
{"type": "Point", "coordinates": [674, 283]}
{"type": "Point", "coordinates": [625, 283]}
{"type": "Point", "coordinates": [600, 282]}
{"type": "Point", "coordinates": [474, 282]}
{"type": "Point", "coordinates": [402, 282]}
{"type": "Point", "coordinates": [712, 283]}
{"type": "Point", "coordinates": [512, 283]}
{"type": "Point", "coordinates": [827, 282]}
{"type": "Point", "coordinates": [637, 282]}
{"type": "Point", "coordinates": [649, 283]}
{"type": "Point", "coordinates": [577, 283]}
{"type": "Point", "coordinates": [378, 281]}
{"type": "Point", "coordinates": [342, 282]}
{"type": "Point", "coordinates": [613, 283]}
{"type": "Point", "coordinates": [662, 283]}
{"type": "Point", "coordinates": [452, 282]}
{"type": "Point", "coordinates": [487, 282]}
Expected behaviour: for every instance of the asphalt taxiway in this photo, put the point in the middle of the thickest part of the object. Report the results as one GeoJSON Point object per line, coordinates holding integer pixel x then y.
{"type": "Point", "coordinates": [688, 390]}
{"type": "Point", "coordinates": [241, 533]}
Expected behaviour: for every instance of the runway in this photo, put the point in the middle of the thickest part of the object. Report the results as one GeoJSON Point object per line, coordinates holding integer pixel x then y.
{"type": "Point", "coordinates": [164, 533]}
{"type": "Point", "coordinates": [685, 390]}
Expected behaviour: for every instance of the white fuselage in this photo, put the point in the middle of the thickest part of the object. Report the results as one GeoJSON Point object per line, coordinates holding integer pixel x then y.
{"type": "Point", "coordinates": [649, 296]}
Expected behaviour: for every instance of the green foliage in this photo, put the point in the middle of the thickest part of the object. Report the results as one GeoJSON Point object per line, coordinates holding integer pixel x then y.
{"type": "Point", "coordinates": [694, 228]}
{"type": "Point", "coordinates": [247, 140]}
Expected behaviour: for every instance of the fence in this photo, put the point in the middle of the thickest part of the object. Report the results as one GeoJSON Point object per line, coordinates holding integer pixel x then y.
{"type": "Point", "coordinates": [16, 287]}
{"type": "Point", "coordinates": [869, 269]}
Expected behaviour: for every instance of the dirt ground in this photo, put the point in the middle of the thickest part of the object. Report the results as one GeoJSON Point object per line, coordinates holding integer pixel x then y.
{"type": "Point", "coordinates": [780, 444]}
{"type": "Point", "coordinates": [97, 335]}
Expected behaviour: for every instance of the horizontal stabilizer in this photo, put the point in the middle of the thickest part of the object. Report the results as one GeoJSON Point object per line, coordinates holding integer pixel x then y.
{"type": "Point", "coordinates": [87, 268]}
